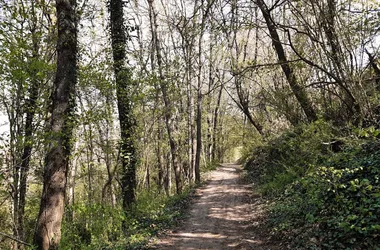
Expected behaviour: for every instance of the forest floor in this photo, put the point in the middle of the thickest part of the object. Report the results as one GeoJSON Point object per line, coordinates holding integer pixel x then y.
{"type": "Point", "coordinates": [224, 214]}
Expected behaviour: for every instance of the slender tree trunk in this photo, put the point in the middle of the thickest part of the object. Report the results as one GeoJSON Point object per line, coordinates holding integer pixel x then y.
{"type": "Point", "coordinates": [376, 69]}
{"type": "Point", "coordinates": [160, 166]}
{"type": "Point", "coordinates": [72, 182]}
{"type": "Point", "coordinates": [107, 150]}
{"type": "Point", "coordinates": [337, 57]}
{"type": "Point", "coordinates": [243, 95]}
{"type": "Point", "coordinates": [215, 125]}
{"type": "Point", "coordinates": [198, 151]}
{"type": "Point", "coordinates": [298, 90]}
{"type": "Point", "coordinates": [28, 137]}
{"type": "Point", "coordinates": [48, 229]}
{"type": "Point", "coordinates": [89, 159]}
{"type": "Point", "coordinates": [209, 112]}
{"type": "Point", "coordinates": [199, 137]}
{"type": "Point", "coordinates": [209, 134]}
{"type": "Point", "coordinates": [163, 87]}
{"type": "Point", "coordinates": [147, 174]}
{"type": "Point", "coordinates": [124, 92]}
{"type": "Point", "coordinates": [244, 106]}
{"type": "Point", "coordinates": [199, 113]}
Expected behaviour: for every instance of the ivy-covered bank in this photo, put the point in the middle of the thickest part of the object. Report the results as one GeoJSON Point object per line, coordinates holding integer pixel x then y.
{"type": "Point", "coordinates": [325, 186]}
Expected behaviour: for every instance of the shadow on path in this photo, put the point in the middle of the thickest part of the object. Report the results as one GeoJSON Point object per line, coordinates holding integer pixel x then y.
{"type": "Point", "coordinates": [223, 216]}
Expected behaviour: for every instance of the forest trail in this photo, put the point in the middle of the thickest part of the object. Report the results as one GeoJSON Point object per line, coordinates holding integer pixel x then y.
{"type": "Point", "coordinates": [224, 214]}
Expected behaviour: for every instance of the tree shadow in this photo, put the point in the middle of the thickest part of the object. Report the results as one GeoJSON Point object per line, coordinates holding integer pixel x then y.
{"type": "Point", "coordinates": [221, 217]}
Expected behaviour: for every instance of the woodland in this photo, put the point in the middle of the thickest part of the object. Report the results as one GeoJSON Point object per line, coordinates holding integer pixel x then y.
{"type": "Point", "coordinates": [112, 110]}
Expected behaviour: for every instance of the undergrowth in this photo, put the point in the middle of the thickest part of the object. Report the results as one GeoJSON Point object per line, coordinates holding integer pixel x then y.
{"type": "Point", "coordinates": [325, 184]}
{"type": "Point", "coordinates": [103, 227]}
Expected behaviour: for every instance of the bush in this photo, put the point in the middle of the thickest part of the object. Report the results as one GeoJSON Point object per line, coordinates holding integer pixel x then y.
{"type": "Point", "coordinates": [338, 207]}
{"type": "Point", "coordinates": [284, 159]}
{"type": "Point", "coordinates": [95, 226]}
{"type": "Point", "coordinates": [324, 198]}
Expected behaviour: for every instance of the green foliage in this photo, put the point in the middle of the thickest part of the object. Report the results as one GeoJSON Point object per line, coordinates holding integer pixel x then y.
{"type": "Point", "coordinates": [336, 205]}
{"type": "Point", "coordinates": [88, 225]}
{"type": "Point", "coordinates": [5, 222]}
{"type": "Point", "coordinates": [324, 199]}
{"type": "Point", "coordinates": [97, 226]}
{"type": "Point", "coordinates": [210, 165]}
{"type": "Point", "coordinates": [284, 159]}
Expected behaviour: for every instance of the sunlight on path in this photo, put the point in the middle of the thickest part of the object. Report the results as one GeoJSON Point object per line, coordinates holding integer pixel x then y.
{"type": "Point", "coordinates": [221, 216]}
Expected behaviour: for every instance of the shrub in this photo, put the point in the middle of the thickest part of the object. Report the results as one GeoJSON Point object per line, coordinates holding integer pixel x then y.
{"type": "Point", "coordinates": [95, 226]}
{"type": "Point", "coordinates": [290, 156]}
{"type": "Point", "coordinates": [337, 206]}
{"type": "Point", "coordinates": [326, 190]}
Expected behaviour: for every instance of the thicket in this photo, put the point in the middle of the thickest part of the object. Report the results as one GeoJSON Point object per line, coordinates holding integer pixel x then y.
{"type": "Point", "coordinates": [103, 227]}
{"type": "Point", "coordinates": [325, 186]}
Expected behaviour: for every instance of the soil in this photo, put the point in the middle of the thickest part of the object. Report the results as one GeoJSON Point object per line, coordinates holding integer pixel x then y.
{"type": "Point", "coordinates": [224, 214]}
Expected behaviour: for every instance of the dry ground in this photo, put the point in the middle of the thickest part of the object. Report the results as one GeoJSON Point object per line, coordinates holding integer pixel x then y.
{"type": "Point", "coordinates": [224, 214]}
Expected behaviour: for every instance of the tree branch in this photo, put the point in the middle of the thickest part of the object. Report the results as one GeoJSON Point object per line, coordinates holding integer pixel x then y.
{"type": "Point", "coordinates": [15, 239]}
{"type": "Point", "coordinates": [264, 65]}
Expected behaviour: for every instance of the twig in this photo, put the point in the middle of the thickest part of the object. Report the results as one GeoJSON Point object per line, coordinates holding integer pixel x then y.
{"type": "Point", "coordinates": [15, 239]}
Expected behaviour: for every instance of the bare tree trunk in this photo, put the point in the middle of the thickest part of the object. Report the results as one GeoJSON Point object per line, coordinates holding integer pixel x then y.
{"type": "Point", "coordinates": [215, 125]}
{"type": "Point", "coordinates": [89, 159]}
{"type": "Point", "coordinates": [147, 175]}
{"type": "Point", "coordinates": [72, 182]}
{"type": "Point", "coordinates": [48, 229]}
{"type": "Point", "coordinates": [107, 150]}
{"type": "Point", "coordinates": [163, 87]}
{"type": "Point", "coordinates": [160, 167]}
{"type": "Point", "coordinates": [209, 112]}
{"type": "Point", "coordinates": [168, 177]}
{"type": "Point", "coordinates": [298, 91]}
{"type": "Point", "coordinates": [198, 151]}
{"type": "Point", "coordinates": [243, 95]}
{"type": "Point", "coordinates": [328, 25]}
{"type": "Point", "coordinates": [28, 137]}
{"type": "Point", "coordinates": [199, 136]}
{"type": "Point", "coordinates": [376, 69]}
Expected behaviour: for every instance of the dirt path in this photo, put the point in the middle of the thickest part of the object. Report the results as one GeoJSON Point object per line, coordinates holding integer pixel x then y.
{"type": "Point", "coordinates": [224, 215]}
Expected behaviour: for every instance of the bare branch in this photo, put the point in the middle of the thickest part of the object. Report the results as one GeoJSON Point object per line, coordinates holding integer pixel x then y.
{"type": "Point", "coordinates": [15, 239]}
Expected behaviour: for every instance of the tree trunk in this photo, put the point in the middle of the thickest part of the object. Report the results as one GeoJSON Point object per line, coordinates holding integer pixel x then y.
{"type": "Point", "coordinates": [163, 87]}
{"type": "Point", "coordinates": [199, 138]}
{"type": "Point", "coordinates": [376, 68]}
{"type": "Point", "coordinates": [28, 139]}
{"type": "Point", "coordinates": [105, 142]}
{"type": "Point", "coordinates": [71, 182]}
{"type": "Point", "coordinates": [337, 57]}
{"type": "Point", "coordinates": [198, 151]}
{"type": "Point", "coordinates": [298, 91]}
{"type": "Point", "coordinates": [48, 229]}
{"type": "Point", "coordinates": [215, 125]}
{"type": "Point", "coordinates": [124, 92]}
{"type": "Point", "coordinates": [243, 95]}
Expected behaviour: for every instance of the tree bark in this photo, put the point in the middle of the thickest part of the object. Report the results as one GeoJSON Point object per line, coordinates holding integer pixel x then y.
{"type": "Point", "coordinates": [199, 137]}
{"type": "Point", "coordinates": [198, 151]}
{"type": "Point", "coordinates": [337, 57]}
{"type": "Point", "coordinates": [48, 229]}
{"type": "Point", "coordinates": [163, 87]}
{"type": "Point", "coordinates": [376, 69]}
{"type": "Point", "coordinates": [28, 137]}
{"type": "Point", "coordinates": [215, 132]}
{"type": "Point", "coordinates": [243, 95]}
{"type": "Point", "coordinates": [297, 90]}
{"type": "Point", "coordinates": [124, 92]}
